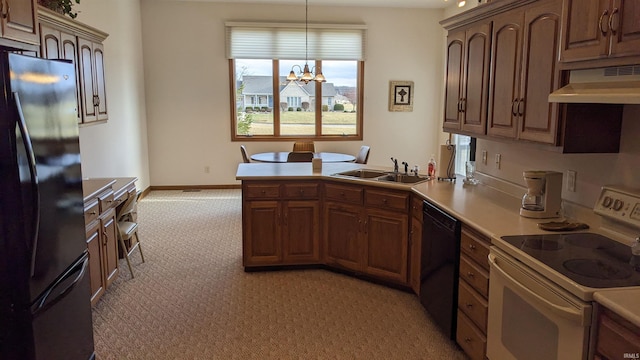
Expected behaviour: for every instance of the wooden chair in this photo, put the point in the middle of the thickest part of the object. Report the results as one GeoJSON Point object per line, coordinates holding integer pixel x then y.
{"type": "Point", "coordinates": [128, 229]}
{"type": "Point", "coordinates": [304, 146]}
{"type": "Point", "coordinates": [363, 155]}
{"type": "Point", "coordinates": [245, 157]}
{"type": "Point", "coordinates": [300, 156]}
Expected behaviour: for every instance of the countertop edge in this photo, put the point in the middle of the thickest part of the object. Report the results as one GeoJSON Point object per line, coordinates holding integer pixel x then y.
{"type": "Point", "coordinates": [623, 302]}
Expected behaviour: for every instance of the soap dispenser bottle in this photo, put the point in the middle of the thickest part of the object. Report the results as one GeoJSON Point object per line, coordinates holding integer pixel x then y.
{"type": "Point", "coordinates": [431, 167]}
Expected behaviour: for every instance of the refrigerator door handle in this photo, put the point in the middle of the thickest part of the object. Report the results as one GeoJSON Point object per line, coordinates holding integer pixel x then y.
{"type": "Point", "coordinates": [26, 140]}
{"type": "Point", "coordinates": [42, 303]}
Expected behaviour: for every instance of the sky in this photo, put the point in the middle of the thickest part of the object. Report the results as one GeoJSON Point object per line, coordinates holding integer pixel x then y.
{"type": "Point", "coordinates": [340, 73]}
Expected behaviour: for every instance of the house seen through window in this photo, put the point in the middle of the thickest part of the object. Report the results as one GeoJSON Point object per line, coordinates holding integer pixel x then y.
{"type": "Point", "coordinates": [268, 106]}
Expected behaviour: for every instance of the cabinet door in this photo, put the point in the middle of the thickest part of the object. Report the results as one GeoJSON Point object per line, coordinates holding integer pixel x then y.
{"type": "Point", "coordinates": [453, 86]}
{"type": "Point", "coordinates": [301, 232]}
{"type": "Point", "coordinates": [87, 92]}
{"type": "Point", "coordinates": [19, 21]}
{"type": "Point", "coordinates": [476, 77]}
{"type": "Point", "coordinates": [504, 81]}
{"type": "Point", "coordinates": [261, 234]}
{"type": "Point", "coordinates": [94, 247]}
{"type": "Point", "coordinates": [625, 28]}
{"type": "Point", "coordinates": [342, 234]}
{"type": "Point", "coordinates": [539, 118]}
{"type": "Point", "coordinates": [110, 246]}
{"type": "Point", "coordinates": [387, 241]}
{"type": "Point", "coordinates": [100, 86]}
{"type": "Point", "coordinates": [586, 30]}
{"type": "Point", "coordinates": [50, 42]}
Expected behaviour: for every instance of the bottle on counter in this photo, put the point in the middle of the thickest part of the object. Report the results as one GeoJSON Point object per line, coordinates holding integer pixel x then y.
{"type": "Point", "coordinates": [431, 167]}
{"type": "Point", "coordinates": [635, 254]}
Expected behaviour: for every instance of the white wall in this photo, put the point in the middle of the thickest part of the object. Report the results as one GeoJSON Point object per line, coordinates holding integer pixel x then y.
{"type": "Point", "coordinates": [187, 85]}
{"type": "Point", "coordinates": [119, 147]}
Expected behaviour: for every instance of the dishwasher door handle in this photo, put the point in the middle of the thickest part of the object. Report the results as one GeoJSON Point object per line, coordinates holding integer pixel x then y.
{"type": "Point", "coordinates": [569, 313]}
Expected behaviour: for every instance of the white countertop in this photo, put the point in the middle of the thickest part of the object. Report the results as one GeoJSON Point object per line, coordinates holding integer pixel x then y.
{"type": "Point", "coordinates": [486, 209]}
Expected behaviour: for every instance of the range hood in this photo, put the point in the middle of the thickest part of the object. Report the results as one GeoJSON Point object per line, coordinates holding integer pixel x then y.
{"type": "Point", "coordinates": [618, 85]}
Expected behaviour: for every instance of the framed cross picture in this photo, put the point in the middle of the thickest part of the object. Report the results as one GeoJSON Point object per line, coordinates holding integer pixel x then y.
{"type": "Point", "coordinates": [400, 95]}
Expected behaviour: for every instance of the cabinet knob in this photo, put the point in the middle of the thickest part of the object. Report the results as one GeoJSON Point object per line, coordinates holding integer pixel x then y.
{"type": "Point", "coordinates": [472, 247]}
{"type": "Point", "coordinates": [470, 274]}
{"type": "Point", "coordinates": [384, 201]}
{"type": "Point", "coordinates": [469, 305]}
{"type": "Point", "coordinates": [467, 340]}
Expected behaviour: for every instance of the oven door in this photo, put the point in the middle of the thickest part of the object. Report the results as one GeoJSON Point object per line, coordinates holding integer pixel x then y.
{"type": "Point", "coordinates": [531, 317]}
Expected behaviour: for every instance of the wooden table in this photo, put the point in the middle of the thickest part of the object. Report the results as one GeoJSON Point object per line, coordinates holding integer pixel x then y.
{"type": "Point", "coordinates": [281, 157]}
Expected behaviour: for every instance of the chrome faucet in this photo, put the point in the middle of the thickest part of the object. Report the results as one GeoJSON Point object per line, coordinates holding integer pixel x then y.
{"type": "Point", "coordinates": [415, 170]}
{"type": "Point", "coordinates": [395, 165]}
{"type": "Point", "coordinates": [406, 167]}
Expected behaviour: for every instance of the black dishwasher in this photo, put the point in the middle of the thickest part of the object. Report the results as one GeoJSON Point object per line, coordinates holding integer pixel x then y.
{"type": "Point", "coordinates": [439, 267]}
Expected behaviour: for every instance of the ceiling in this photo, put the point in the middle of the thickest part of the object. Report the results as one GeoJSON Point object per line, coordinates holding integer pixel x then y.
{"type": "Point", "coordinates": [366, 3]}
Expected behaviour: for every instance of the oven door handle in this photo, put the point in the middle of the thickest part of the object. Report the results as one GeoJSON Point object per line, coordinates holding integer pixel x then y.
{"type": "Point", "coordinates": [569, 313]}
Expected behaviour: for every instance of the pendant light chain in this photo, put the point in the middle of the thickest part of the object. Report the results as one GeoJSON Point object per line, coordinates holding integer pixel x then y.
{"type": "Point", "coordinates": [306, 31]}
{"type": "Point", "coordinates": [307, 75]}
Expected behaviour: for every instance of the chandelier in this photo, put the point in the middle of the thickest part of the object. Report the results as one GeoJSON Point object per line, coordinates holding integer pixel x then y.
{"type": "Point", "coordinates": [306, 75]}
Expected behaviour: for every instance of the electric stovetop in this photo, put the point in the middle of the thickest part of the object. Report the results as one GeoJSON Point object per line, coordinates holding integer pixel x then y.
{"type": "Point", "coordinates": [589, 259]}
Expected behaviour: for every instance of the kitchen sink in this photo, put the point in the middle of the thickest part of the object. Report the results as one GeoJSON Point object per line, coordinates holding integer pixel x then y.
{"type": "Point", "coordinates": [364, 173]}
{"type": "Point", "coordinates": [378, 175]}
{"type": "Point", "coordinates": [403, 178]}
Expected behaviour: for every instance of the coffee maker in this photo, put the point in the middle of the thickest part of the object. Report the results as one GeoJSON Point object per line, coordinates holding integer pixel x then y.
{"type": "Point", "coordinates": [544, 194]}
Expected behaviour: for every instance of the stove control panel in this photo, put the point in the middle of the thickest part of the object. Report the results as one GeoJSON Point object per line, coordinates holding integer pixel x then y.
{"type": "Point", "coordinates": [619, 204]}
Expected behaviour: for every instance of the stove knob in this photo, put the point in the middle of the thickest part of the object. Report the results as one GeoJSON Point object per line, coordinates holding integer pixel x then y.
{"type": "Point", "coordinates": [606, 202]}
{"type": "Point", "coordinates": [617, 205]}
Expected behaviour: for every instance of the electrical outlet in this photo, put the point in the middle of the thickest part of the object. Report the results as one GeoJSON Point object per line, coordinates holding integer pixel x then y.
{"type": "Point", "coordinates": [484, 157]}
{"type": "Point", "coordinates": [571, 180]}
{"type": "Point", "coordinates": [498, 160]}
{"type": "Point", "coordinates": [207, 170]}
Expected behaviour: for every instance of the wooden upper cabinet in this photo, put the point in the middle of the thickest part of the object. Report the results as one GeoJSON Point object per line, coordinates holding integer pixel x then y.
{"type": "Point", "coordinates": [453, 84]}
{"type": "Point", "coordinates": [18, 21]}
{"type": "Point", "coordinates": [539, 118]}
{"type": "Point", "coordinates": [596, 29]}
{"type": "Point", "coordinates": [468, 54]}
{"type": "Point", "coordinates": [64, 38]}
{"type": "Point", "coordinates": [504, 83]}
{"type": "Point", "coordinates": [93, 92]}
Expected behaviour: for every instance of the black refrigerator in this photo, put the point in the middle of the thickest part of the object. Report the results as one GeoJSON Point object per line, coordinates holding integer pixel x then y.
{"type": "Point", "coordinates": [45, 309]}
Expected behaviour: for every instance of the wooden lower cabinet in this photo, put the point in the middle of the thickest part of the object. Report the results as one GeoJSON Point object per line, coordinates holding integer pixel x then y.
{"type": "Point", "coordinates": [473, 289]}
{"type": "Point", "coordinates": [281, 223]}
{"type": "Point", "coordinates": [102, 243]}
{"type": "Point", "coordinates": [415, 244]}
{"type": "Point", "coordinates": [367, 230]}
{"type": "Point", "coordinates": [617, 338]}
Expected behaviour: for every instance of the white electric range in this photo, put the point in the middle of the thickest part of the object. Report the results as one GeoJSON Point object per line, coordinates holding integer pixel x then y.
{"type": "Point", "coordinates": [548, 280]}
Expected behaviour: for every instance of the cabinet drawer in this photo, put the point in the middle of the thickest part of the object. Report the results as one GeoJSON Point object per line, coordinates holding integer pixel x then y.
{"type": "Point", "coordinates": [475, 248]}
{"type": "Point", "coordinates": [473, 305]}
{"type": "Point", "coordinates": [470, 339]}
{"type": "Point", "coordinates": [91, 211]}
{"type": "Point", "coordinates": [262, 191]}
{"type": "Point", "coordinates": [106, 201]}
{"type": "Point", "coordinates": [344, 193]}
{"type": "Point", "coordinates": [386, 200]}
{"type": "Point", "coordinates": [299, 191]}
{"type": "Point", "coordinates": [477, 277]}
{"type": "Point", "coordinates": [616, 336]}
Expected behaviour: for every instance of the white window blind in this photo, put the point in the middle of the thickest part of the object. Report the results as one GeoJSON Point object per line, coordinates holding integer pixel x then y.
{"type": "Point", "coordinates": [287, 41]}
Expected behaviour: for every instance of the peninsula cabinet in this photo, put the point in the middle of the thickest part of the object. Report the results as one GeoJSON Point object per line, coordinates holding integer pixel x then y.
{"type": "Point", "coordinates": [524, 73]}
{"type": "Point", "coordinates": [18, 22]}
{"type": "Point", "coordinates": [616, 337]}
{"type": "Point", "coordinates": [64, 38]}
{"type": "Point", "coordinates": [281, 223]}
{"type": "Point", "coordinates": [473, 289]}
{"type": "Point", "coordinates": [366, 230]}
{"type": "Point", "coordinates": [601, 29]}
{"type": "Point", "coordinates": [467, 73]}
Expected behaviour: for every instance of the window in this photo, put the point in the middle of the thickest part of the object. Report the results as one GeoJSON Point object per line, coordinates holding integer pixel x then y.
{"type": "Point", "coordinates": [465, 151]}
{"type": "Point", "coordinates": [267, 106]}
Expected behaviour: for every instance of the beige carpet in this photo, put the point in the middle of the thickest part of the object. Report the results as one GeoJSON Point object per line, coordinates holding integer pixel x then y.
{"type": "Point", "coordinates": [191, 299]}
